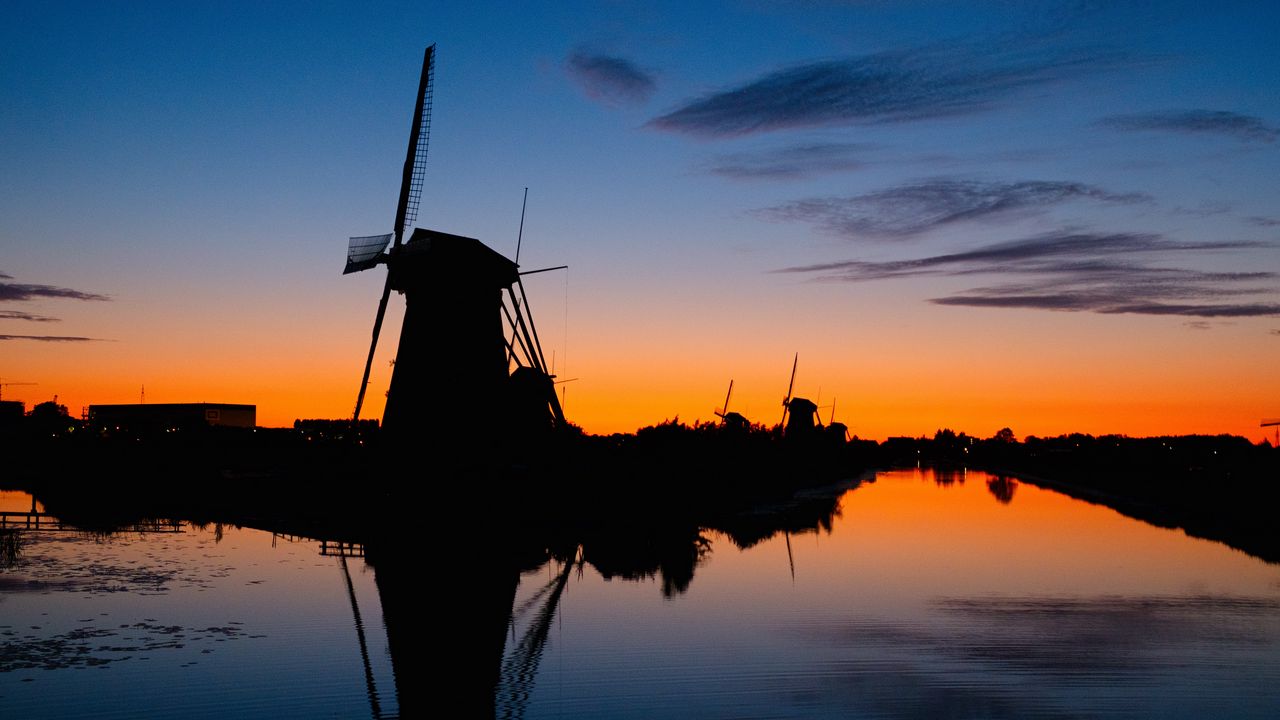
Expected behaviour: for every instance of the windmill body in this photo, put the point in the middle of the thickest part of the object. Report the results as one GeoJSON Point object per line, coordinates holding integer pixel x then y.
{"type": "Point", "coordinates": [799, 415]}
{"type": "Point", "coordinates": [451, 365]}
{"type": "Point", "coordinates": [802, 417]}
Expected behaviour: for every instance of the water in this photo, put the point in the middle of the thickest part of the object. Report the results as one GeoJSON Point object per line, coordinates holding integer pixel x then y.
{"type": "Point", "coordinates": [956, 596]}
{"type": "Point", "coordinates": [918, 595]}
{"type": "Point", "coordinates": [192, 622]}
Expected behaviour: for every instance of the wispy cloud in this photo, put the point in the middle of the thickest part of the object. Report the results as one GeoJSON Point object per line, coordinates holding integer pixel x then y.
{"type": "Point", "coordinates": [917, 84]}
{"type": "Point", "coordinates": [1113, 300]}
{"type": "Point", "coordinates": [1207, 208]}
{"type": "Point", "coordinates": [19, 315]}
{"type": "Point", "coordinates": [1083, 272]}
{"type": "Point", "coordinates": [1197, 325]}
{"type": "Point", "coordinates": [1207, 122]}
{"type": "Point", "coordinates": [16, 292]}
{"type": "Point", "coordinates": [790, 162]}
{"type": "Point", "coordinates": [1261, 221]}
{"type": "Point", "coordinates": [916, 208]}
{"type": "Point", "coordinates": [610, 79]}
{"type": "Point", "coordinates": [51, 338]}
{"type": "Point", "coordinates": [1013, 255]}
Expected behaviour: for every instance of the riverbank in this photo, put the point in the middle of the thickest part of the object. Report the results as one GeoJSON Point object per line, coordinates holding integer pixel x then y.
{"type": "Point", "coordinates": [1215, 487]}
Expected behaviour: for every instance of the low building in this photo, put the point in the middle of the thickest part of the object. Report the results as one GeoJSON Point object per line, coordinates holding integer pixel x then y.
{"type": "Point", "coordinates": [11, 413]}
{"type": "Point", "coordinates": [159, 416]}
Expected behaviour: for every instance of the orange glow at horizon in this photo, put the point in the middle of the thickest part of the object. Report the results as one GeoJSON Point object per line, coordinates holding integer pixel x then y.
{"type": "Point", "coordinates": [641, 366]}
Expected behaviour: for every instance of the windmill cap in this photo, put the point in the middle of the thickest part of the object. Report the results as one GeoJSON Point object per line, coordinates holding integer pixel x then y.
{"type": "Point", "coordinates": [463, 259]}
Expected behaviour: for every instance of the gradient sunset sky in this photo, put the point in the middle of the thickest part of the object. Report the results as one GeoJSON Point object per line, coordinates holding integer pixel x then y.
{"type": "Point", "coordinates": [1052, 216]}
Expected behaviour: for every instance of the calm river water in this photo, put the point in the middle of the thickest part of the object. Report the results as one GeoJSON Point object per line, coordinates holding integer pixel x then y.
{"type": "Point", "coordinates": [926, 595]}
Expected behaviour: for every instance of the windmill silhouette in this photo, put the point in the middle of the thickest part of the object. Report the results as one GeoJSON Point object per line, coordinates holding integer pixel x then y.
{"type": "Point", "coordinates": [799, 415]}
{"type": "Point", "coordinates": [734, 420]}
{"type": "Point", "coordinates": [468, 346]}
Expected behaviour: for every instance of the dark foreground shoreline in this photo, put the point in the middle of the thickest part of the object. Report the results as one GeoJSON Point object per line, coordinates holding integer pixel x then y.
{"type": "Point", "coordinates": [674, 475]}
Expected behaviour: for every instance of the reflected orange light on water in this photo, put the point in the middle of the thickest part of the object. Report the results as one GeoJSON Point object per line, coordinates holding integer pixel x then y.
{"type": "Point", "coordinates": [18, 501]}
{"type": "Point", "coordinates": [924, 540]}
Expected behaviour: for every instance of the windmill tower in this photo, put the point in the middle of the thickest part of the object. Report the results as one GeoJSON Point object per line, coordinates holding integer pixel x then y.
{"type": "Point", "coordinates": [468, 349]}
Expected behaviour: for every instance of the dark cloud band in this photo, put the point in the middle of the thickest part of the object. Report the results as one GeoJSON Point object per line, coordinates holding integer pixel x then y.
{"type": "Point", "coordinates": [918, 84]}
{"type": "Point", "coordinates": [1208, 122]}
{"type": "Point", "coordinates": [51, 338]}
{"type": "Point", "coordinates": [1108, 304]}
{"type": "Point", "coordinates": [610, 79]}
{"type": "Point", "coordinates": [16, 292]}
{"type": "Point", "coordinates": [29, 317]}
{"type": "Point", "coordinates": [791, 162]}
{"type": "Point", "coordinates": [1083, 272]}
{"type": "Point", "coordinates": [915, 208]}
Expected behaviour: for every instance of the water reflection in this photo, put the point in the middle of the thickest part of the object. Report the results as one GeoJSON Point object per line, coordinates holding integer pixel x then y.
{"type": "Point", "coordinates": [520, 666]}
{"type": "Point", "coordinates": [919, 595]}
{"type": "Point", "coordinates": [172, 618]}
{"type": "Point", "coordinates": [10, 546]}
{"type": "Point", "coordinates": [922, 597]}
{"type": "Point", "coordinates": [948, 476]}
{"type": "Point", "coordinates": [1002, 487]}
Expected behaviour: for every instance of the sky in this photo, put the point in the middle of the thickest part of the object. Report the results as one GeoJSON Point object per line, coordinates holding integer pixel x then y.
{"type": "Point", "coordinates": [1052, 216]}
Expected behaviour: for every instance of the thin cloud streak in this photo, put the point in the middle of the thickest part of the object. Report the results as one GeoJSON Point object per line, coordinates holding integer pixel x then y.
{"type": "Point", "coordinates": [916, 208]}
{"type": "Point", "coordinates": [52, 338]}
{"type": "Point", "coordinates": [997, 257]}
{"type": "Point", "coordinates": [1106, 303]}
{"type": "Point", "coordinates": [610, 79]}
{"type": "Point", "coordinates": [790, 163]}
{"type": "Point", "coordinates": [1205, 122]}
{"type": "Point", "coordinates": [16, 292]}
{"type": "Point", "coordinates": [1080, 272]}
{"type": "Point", "coordinates": [902, 86]}
{"type": "Point", "coordinates": [28, 317]}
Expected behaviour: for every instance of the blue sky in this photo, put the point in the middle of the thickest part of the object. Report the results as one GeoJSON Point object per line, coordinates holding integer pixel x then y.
{"type": "Point", "coordinates": [1106, 172]}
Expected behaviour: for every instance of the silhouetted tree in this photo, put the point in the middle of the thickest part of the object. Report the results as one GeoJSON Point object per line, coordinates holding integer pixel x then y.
{"type": "Point", "coordinates": [1002, 487]}
{"type": "Point", "coordinates": [51, 418]}
{"type": "Point", "coordinates": [1005, 435]}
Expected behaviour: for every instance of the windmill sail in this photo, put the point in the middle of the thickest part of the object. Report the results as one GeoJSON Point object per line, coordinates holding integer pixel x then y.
{"type": "Point", "coordinates": [415, 168]}
{"type": "Point", "coordinates": [415, 161]}
{"type": "Point", "coordinates": [365, 252]}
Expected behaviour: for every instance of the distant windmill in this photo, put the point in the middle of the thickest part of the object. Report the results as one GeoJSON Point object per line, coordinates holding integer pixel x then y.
{"type": "Point", "coordinates": [835, 429]}
{"type": "Point", "coordinates": [803, 413]}
{"type": "Point", "coordinates": [730, 419]}
{"type": "Point", "coordinates": [454, 365]}
{"type": "Point", "coordinates": [1269, 422]}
